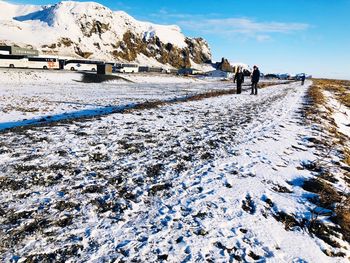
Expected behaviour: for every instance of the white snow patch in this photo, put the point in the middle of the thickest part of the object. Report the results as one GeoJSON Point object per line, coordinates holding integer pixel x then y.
{"type": "Point", "coordinates": [341, 113]}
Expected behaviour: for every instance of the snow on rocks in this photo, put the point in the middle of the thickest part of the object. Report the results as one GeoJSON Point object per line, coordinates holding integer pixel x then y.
{"type": "Point", "coordinates": [209, 180]}
{"type": "Point", "coordinates": [56, 19]}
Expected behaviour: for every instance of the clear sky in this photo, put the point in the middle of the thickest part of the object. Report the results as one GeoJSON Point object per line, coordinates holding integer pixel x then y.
{"type": "Point", "coordinates": [292, 36]}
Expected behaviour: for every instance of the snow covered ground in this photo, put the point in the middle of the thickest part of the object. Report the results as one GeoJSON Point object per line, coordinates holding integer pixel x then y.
{"type": "Point", "coordinates": [209, 180]}
{"type": "Point", "coordinates": [35, 96]}
{"type": "Point", "coordinates": [30, 96]}
{"type": "Point", "coordinates": [341, 114]}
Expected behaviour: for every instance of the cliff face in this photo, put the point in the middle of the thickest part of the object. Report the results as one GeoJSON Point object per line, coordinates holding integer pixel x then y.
{"type": "Point", "coordinates": [91, 30]}
{"type": "Point", "coordinates": [165, 53]}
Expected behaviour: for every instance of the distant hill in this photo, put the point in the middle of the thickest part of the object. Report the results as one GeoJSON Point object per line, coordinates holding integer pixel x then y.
{"type": "Point", "coordinates": [91, 30]}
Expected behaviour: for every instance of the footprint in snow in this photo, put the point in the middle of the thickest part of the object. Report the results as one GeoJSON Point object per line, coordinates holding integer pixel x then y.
{"type": "Point", "coordinates": [265, 160]}
{"type": "Point", "coordinates": [248, 205]}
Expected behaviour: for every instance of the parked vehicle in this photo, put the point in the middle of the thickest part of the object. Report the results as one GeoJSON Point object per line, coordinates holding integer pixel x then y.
{"type": "Point", "coordinates": [299, 76]}
{"type": "Point", "coordinates": [189, 71]}
{"type": "Point", "coordinates": [144, 69]}
{"type": "Point", "coordinates": [283, 76]}
{"type": "Point", "coordinates": [125, 68]}
{"type": "Point", "coordinates": [220, 74]}
{"type": "Point", "coordinates": [271, 76]}
{"type": "Point", "coordinates": [43, 63]}
{"type": "Point", "coordinates": [81, 64]}
{"type": "Point", "coordinates": [13, 61]}
{"type": "Point", "coordinates": [156, 70]}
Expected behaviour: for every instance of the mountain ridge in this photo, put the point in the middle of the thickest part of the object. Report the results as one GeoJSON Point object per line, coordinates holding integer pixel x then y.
{"type": "Point", "coordinates": [91, 30]}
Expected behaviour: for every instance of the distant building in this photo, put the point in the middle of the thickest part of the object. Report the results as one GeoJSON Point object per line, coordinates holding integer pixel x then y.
{"type": "Point", "coordinates": [12, 50]}
{"type": "Point", "coordinates": [220, 74]}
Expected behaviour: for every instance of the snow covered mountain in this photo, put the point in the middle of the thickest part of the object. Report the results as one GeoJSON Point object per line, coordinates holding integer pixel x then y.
{"type": "Point", "coordinates": [91, 30]}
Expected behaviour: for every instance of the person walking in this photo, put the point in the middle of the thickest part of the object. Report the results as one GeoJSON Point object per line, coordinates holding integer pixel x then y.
{"type": "Point", "coordinates": [239, 79]}
{"type": "Point", "coordinates": [255, 80]}
{"type": "Point", "coordinates": [302, 78]}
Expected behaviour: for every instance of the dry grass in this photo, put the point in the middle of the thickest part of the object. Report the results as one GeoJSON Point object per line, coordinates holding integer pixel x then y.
{"type": "Point", "coordinates": [315, 92]}
{"type": "Point", "coordinates": [342, 217]}
{"type": "Point", "coordinates": [340, 88]}
{"type": "Point", "coordinates": [328, 197]}
{"type": "Point", "coordinates": [326, 193]}
{"type": "Point", "coordinates": [347, 157]}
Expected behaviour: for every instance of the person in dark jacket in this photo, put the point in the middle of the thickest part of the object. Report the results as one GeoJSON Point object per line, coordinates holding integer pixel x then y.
{"type": "Point", "coordinates": [302, 78]}
{"type": "Point", "coordinates": [255, 80]}
{"type": "Point", "coordinates": [239, 79]}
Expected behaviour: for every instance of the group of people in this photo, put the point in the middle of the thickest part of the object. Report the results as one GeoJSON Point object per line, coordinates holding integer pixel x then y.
{"type": "Point", "coordinates": [255, 77]}
{"type": "Point", "coordinates": [239, 79]}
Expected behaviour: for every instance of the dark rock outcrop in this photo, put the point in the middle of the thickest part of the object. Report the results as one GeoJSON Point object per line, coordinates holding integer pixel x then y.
{"type": "Point", "coordinates": [225, 65]}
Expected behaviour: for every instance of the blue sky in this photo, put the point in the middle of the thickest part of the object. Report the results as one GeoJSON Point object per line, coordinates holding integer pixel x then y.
{"type": "Point", "coordinates": [278, 35]}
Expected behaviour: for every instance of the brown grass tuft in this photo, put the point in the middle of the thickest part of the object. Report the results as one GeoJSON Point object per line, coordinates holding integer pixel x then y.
{"type": "Point", "coordinates": [340, 88]}
{"type": "Point", "coordinates": [342, 218]}
{"type": "Point", "coordinates": [347, 157]}
{"type": "Point", "coordinates": [327, 195]}
{"type": "Point", "coordinates": [315, 92]}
